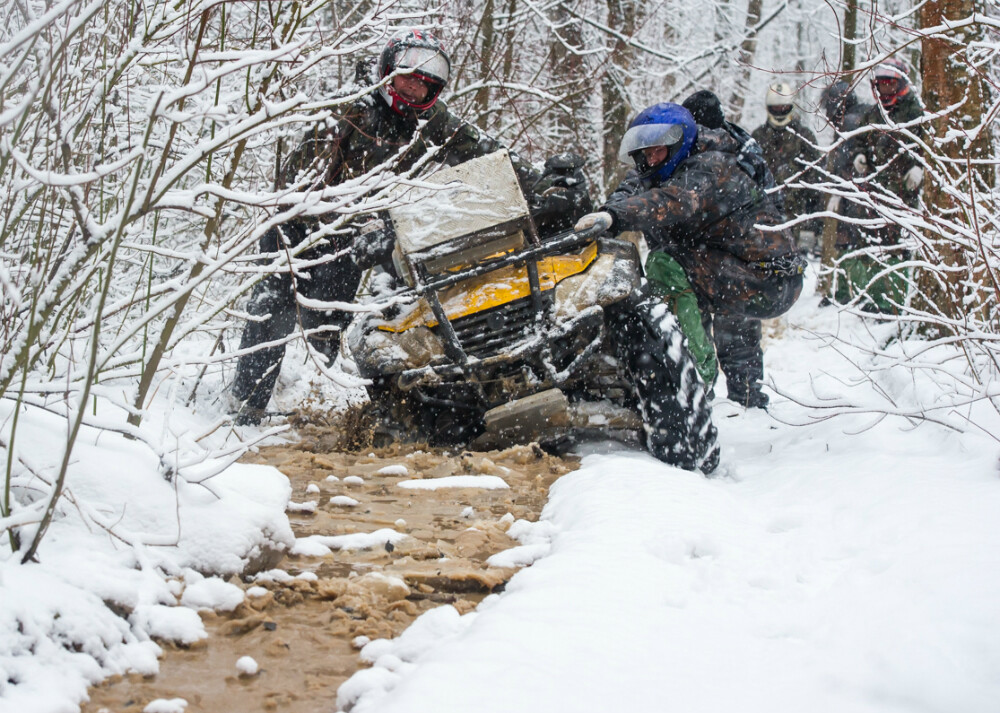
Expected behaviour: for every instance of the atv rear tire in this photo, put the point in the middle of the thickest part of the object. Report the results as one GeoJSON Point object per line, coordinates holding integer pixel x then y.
{"type": "Point", "coordinates": [672, 397]}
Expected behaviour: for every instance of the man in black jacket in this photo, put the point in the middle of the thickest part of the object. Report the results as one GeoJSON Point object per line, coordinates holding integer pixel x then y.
{"type": "Point", "coordinates": [888, 167]}
{"type": "Point", "coordinates": [845, 114]}
{"type": "Point", "coordinates": [737, 338]}
{"type": "Point", "coordinates": [789, 146]}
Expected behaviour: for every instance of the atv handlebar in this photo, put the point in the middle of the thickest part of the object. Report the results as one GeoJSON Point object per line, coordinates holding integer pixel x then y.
{"type": "Point", "coordinates": [591, 232]}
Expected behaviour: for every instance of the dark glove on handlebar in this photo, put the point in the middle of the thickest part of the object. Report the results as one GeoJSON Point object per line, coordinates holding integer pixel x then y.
{"type": "Point", "coordinates": [374, 243]}
{"type": "Point", "coordinates": [560, 195]}
{"type": "Point", "coordinates": [563, 170]}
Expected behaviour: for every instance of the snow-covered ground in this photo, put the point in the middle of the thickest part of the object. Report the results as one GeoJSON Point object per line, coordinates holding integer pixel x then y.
{"type": "Point", "coordinates": [848, 565]}
{"type": "Point", "coordinates": [130, 554]}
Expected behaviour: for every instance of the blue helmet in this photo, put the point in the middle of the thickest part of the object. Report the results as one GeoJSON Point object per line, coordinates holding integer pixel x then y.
{"type": "Point", "coordinates": [669, 125]}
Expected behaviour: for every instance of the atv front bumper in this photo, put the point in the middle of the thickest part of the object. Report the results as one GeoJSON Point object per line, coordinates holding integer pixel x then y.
{"type": "Point", "coordinates": [551, 333]}
{"type": "Point", "coordinates": [553, 356]}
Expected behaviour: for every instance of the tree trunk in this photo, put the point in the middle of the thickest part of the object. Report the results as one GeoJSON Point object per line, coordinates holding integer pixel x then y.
{"type": "Point", "coordinates": [949, 79]}
{"type": "Point", "coordinates": [568, 78]}
{"type": "Point", "coordinates": [848, 59]}
{"type": "Point", "coordinates": [617, 107]}
{"type": "Point", "coordinates": [748, 49]}
{"type": "Point", "coordinates": [481, 102]}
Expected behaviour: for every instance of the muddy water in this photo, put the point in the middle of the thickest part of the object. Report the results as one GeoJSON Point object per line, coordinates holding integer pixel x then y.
{"type": "Point", "coordinates": [304, 632]}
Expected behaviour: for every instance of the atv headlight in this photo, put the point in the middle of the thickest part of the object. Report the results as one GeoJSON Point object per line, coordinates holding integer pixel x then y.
{"type": "Point", "coordinates": [380, 353]}
{"type": "Point", "coordinates": [609, 279]}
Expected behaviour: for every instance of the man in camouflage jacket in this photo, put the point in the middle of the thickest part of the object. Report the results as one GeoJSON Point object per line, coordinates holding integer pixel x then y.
{"type": "Point", "coordinates": [734, 337]}
{"type": "Point", "coordinates": [389, 130]}
{"type": "Point", "coordinates": [846, 114]}
{"type": "Point", "coordinates": [886, 166]}
{"type": "Point", "coordinates": [891, 155]}
{"type": "Point", "coordinates": [789, 146]}
{"type": "Point", "coordinates": [711, 216]}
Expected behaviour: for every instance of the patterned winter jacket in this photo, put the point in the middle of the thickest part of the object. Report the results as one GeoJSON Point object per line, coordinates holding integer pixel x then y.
{"type": "Point", "coordinates": [751, 156]}
{"type": "Point", "coordinates": [840, 163]}
{"type": "Point", "coordinates": [786, 150]}
{"type": "Point", "coordinates": [891, 154]}
{"type": "Point", "coordinates": [709, 202]}
{"type": "Point", "coordinates": [369, 134]}
{"type": "Point", "coordinates": [706, 216]}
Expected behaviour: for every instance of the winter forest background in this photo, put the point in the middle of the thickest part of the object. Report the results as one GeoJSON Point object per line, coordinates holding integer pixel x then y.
{"type": "Point", "coordinates": [139, 144]}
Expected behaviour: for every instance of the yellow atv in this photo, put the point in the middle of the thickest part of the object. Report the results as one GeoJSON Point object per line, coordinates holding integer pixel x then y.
{"type": "Point", "coordinates": [495, 336]}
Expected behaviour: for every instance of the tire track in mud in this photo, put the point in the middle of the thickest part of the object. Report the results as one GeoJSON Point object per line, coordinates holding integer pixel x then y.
{"type": "Point", "coordinates": [303, 627]}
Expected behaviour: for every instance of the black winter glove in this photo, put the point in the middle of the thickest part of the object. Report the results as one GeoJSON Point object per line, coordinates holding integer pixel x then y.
{"type": "Point", "coordinates": [563, 170]}
{"type": "Point", "coordinates": [374, 243]}
{"type": "Point", "coordinates": [560, 195]}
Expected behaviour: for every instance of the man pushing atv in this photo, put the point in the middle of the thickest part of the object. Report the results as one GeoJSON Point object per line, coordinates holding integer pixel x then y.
{"type": "Point", "coordinates": [707, 215]}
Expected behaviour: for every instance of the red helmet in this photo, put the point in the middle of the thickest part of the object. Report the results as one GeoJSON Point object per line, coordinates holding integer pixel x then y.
{"type": "Point", "coordinates": [420, 54]}
{"type": "Point", "coordinates": [890, 81]}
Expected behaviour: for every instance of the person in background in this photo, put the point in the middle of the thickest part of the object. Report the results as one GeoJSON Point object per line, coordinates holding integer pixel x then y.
{"type": "Point", "coordinates": [789, 148]}
{"type": "Point", "coordinates": [707, 111]}
{"type": "Point", "coordinates": [887, 166]}
{"type": "Point", "coordinates": [845, 114]}
{"type": "Point", "coordinates": [696, 202]}
{"type": "Point", "coordinates": [396, 124]}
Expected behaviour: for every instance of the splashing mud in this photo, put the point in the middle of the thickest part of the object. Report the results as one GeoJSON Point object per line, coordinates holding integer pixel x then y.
{"type": "Point", "coordinates": [302, 625]}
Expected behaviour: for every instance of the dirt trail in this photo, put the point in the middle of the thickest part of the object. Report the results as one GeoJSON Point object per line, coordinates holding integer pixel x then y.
{"type": "Point", "coordinates": [303, 632]}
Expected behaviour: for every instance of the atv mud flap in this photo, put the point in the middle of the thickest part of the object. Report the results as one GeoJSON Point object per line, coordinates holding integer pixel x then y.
{"type": "Point", "coordinates": [556, 424]}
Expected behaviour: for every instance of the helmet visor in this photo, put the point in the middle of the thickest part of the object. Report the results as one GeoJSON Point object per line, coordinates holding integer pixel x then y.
{"type": "Point", "coordinates": [779, 111]}
{"type": "Point", "coordinates": [648, 135]}
{"type": "Point", "coordinates": [887, 86]}
{"type": "Point", "coordinates": [424, 62]}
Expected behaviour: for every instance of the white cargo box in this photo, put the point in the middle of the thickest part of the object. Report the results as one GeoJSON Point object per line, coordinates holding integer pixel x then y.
{"type": "Point", "coordinates": [479, 197]}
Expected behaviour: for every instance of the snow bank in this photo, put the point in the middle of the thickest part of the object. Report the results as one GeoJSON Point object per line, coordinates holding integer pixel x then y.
{"type": "Point", "coordinates": [124, 544]}
{"type": "Point", "coordinates": [804, 588]}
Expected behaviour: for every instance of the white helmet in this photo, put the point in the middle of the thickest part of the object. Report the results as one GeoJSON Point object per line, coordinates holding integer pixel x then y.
{"type": "Point", "coordinates": [779, 103]}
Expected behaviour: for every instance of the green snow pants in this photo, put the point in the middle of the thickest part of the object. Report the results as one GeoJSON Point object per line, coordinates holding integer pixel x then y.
{"type": "Point", "coordinates": [859, 275]}
{"type": "Point", "coordinates": [667, 278]}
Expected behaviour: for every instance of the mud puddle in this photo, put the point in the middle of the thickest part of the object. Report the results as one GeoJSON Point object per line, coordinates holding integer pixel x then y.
{"type": "Point", "coordinates": [304, 628]}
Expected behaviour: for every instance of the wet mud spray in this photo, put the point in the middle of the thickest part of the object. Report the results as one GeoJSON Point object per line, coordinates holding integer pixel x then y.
{"type": "Point", "coordinates": [303, 633]}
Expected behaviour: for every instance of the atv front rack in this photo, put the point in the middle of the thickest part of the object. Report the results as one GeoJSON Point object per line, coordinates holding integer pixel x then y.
{"type": "Point", "coordinates": [428, 285]}
{"type": "Point", "coordinates": [465, 222]}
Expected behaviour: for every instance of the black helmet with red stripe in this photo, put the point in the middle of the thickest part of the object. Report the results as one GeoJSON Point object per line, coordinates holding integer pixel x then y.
{"type": "Point", "coordinates": [890, 81]}
{"type": "Point", "coordinates": [419, 54]}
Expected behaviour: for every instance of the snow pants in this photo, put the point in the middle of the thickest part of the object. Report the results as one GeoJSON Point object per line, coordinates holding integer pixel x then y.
{"type": "Point", "coordinates": [275, 312]}
{"type": "Point", "coordinates": [667, 279]}
{"type": "Point", "coordinates": [860, 277]}
{"type": "Point", "coordinates": [741, 358]}
{"type": "Point", "coordinates": [733, 297]}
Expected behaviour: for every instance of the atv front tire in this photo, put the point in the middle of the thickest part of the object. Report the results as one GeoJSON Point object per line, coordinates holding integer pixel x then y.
{"type": "Point", "coordinates": [404, 417]}
{"type": "Point", "coordinates": [672, 397]}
